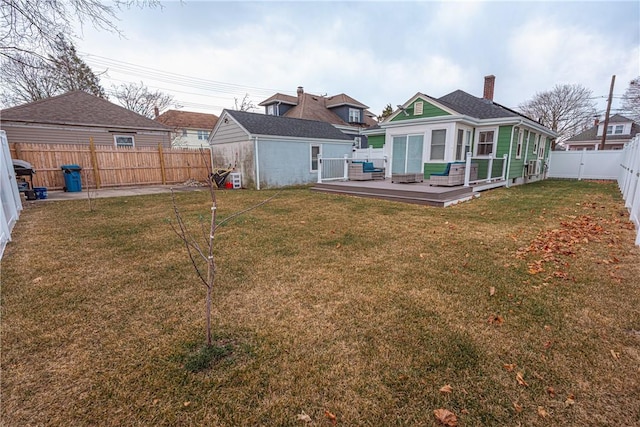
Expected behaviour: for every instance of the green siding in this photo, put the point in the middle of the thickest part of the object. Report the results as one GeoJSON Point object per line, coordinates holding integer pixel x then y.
{"type": "Point", "coordinates": [428, 110]}
{"type": "Point", "coordinates": [430, 168]}
{"type": "Point", "coordinates": [376, 141]}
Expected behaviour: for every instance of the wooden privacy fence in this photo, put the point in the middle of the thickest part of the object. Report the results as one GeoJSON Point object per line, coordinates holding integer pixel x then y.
{"type": "Point", "coordinates": [106, 166]}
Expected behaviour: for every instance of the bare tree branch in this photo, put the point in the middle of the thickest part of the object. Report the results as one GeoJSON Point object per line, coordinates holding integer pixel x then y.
{"type": "Point", "coordinates": [140, 99]}
{"type": "Point", "coordinates": [566, 109]}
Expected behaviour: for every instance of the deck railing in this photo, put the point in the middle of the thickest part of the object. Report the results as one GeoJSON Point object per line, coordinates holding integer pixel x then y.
{"type": "Point", "coordinates": [337, 168]}
{"type": "Point", "coordinates": [490, 169]}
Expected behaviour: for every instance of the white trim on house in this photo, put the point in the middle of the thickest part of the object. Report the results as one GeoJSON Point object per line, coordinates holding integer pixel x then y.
{"type": "Point", "coordinates": [123, 136]}
{"type": "Point", "coordinates": [494, 142]}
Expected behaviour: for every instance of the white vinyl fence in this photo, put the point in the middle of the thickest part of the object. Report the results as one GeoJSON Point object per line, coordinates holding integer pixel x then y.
{"type": "Point", "coordinates": [601, 164]}
{"type": "Point", "coordinates": [628, 177]}
{"type": "Point", "coordinates": [11, 203]}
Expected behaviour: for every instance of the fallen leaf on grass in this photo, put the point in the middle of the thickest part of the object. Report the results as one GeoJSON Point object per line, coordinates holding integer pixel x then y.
{"type": "Point", "coordinates": [542, 412]}
{"type": "Point", "coordinates": [338, 245]}
{"type": "Point", "coordinates": [331, 417]}
{"type": "Point", "coordinates": [302, 416]}
{"type": "Point", "coordinates": [446, 389]}
{"type": "Point", "coordinates": [548, 344]}
{"type": "Point", "coordinates": [37, 280]}
{"type": "Point", "coordinates": [509, 366]}
{"type": "Point", "coordinates": [517, 407]}
{"type": "Point", "coordinates": [551, 392]}
{"type": "Point", "coordinates": [570, 400]}
{"type": "Point", "coordinates": [496, 320]}
{"type": "Point", "coordinates": [492, 291]}
{"type": "Point", "coordinates": [422, 255]}
{"type": "Point", "coordinates": [446, 417]}
{"type": "Point", "coordinates": [155, 401]}
{"type": "Point", "coordinates": [520, 379]}
{"type": "Point", "coordinates": [615, 355]}
{"type": "Point", "coordinates": [187, 403]}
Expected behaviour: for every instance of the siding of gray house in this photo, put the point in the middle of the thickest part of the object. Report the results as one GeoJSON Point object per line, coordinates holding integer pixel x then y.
{"type": "Point", "coordinates": [60, 134]}
{"type": "Point", "coordinates": [285, 163]}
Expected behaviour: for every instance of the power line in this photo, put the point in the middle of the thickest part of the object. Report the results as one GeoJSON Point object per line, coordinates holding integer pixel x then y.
{"type": "Point", "coordinates": [175, 78]}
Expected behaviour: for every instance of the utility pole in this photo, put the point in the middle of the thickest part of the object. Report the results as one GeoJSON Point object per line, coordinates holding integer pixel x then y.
{"type": "Point", "coordinates": [606, 117]}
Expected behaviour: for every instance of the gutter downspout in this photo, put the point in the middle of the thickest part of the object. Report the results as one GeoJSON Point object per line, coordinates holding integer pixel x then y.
{"type": "Point", "coordinates": [255, 148]}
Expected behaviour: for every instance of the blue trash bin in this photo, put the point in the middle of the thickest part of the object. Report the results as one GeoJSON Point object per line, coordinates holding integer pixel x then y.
{"type": "Point", "coordinates": [72, 180]}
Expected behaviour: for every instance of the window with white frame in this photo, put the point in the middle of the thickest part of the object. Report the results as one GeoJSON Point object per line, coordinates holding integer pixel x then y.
{"type": "Point", "coordinates": [418, 108]}
{"type": "Point", "coordinates": [517, 136]}
{"type": "Point", "coordinates": [315, 154]}
{"type": "Point", "coordinates": [203, 135]}
{"type": "Point", "coordinates": [535, 138]}
{"type": "Point", "coordinates": [271, 110]}
{"type": "Point", "coordinates": [438, 142]}
{"type": "Point", "coordinates": [615, 129]}
{"type": "Point", "coordinates": [124, 140]}
{"type": "Point", "coordinates": [486, 140]}
{"type": "Point", "coordinates": [463, 142]}
{"type": "Point", "coordinates": [354, 115]}
{"type": "Point", "coordinates": [357, 142]}
{"type": "Point", "coordinates": [541, 147]}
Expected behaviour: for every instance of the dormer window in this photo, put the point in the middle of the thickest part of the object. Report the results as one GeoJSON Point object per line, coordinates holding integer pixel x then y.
{"type": "Point", "coordinates": [354, 115]}
{"type": "Point", "coordinates": [615, 129]}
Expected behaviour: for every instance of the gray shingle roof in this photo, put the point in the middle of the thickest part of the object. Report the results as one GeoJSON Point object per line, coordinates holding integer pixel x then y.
{"type": "Point", "coordinates": [591, 134]}
{"type": "Point", "coordinates": [262, 124]}
{"type": "Point", "coordinates": [79, 108]}
{"type": "Point", "coordinates": [479, 108]}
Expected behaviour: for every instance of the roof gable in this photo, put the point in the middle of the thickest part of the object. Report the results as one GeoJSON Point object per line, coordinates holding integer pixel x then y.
{"type": "Point", "coordinates": [343, 99]}
{"type": "Point", "coordinates": [79, 108]}
{"type": "Point", "coordinates": [430, 108]}
{"type": "Point", "coordinates": [280, 97]}
{"type": "Point", "coordinates": [187, 119]}
{"type": "Point", "coordinates": [262, 124]}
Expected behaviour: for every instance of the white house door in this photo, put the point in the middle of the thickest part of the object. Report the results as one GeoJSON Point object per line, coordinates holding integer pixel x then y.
{"type": "Point", "coordinates": [407, 154]}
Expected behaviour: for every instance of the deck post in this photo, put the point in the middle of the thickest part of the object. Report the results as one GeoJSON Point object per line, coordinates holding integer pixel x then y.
{"type": "Point", "coordinates": [345, 173]}
{"type": "Point", "coordinates": [490, 169]}
{"type": "Point", "coordinates": [467, 170]}
{"type": "Point", "coordinates": [319, 169]}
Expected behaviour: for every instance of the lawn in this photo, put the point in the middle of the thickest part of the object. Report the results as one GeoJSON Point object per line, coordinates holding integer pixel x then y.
{"type": "Point", "coordinates": [525, 302]}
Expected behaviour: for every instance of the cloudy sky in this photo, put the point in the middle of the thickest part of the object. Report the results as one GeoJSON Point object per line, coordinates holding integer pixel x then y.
{"type": "Point", "coordinates": [206, 54]}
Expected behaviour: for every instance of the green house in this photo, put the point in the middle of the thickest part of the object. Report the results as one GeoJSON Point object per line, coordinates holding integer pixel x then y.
{"type": "Point", "coordinates": [425, 134]}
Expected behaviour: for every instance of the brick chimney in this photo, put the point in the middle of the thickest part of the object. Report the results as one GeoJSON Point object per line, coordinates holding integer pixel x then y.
{"type": "Point", "coordinates": [489, 83]}
{"type": "Point", "coordinates": [300, 91]}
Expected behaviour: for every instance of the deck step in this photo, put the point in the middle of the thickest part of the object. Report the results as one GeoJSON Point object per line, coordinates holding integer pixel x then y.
{"type": "Point", "coordinates": [406, 196]}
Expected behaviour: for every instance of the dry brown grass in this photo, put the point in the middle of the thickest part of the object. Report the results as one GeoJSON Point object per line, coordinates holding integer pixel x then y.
{"type": "Point", "coordinates": [364, 308]}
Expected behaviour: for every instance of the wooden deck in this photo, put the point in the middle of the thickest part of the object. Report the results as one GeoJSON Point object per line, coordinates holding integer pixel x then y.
{"type": "Point", "coordinates": [418, 193]}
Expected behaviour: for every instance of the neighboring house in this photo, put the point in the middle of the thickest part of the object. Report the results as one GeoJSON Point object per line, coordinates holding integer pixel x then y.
{"type": "Point", "coordinates": [620, 130]}
{"type": "Point", "coordinates": [273, 151]}
{"type": "Point", "coordinates": [75, 117]}
{"type": "Point", "coordinates": [426, 133]}
{"type": "Point", "coordinates": [342, 111]}
{"type": "Point", "coordinates": [189, 129]}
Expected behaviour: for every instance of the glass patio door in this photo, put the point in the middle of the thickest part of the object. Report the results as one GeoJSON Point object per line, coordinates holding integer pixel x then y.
{"type": "Point", "coordinates": [407, 154]}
